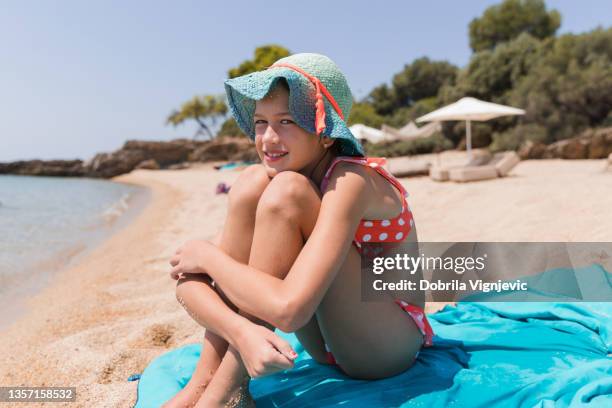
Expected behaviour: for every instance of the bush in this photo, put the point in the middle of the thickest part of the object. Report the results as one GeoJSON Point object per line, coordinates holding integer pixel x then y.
{"type": "Point", "coordinates": [570, 87]}
{"type": "Point", "coordinates": [432, 144]}
{"type": "Point", "coordinates": [513, 138]}
{"type": "Point", "coordinates": [365, 114]}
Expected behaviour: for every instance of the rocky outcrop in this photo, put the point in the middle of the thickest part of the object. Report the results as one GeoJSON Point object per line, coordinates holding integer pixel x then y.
{"type": "Point", "coordinates": [141, 154]}
{"type": "Point", "coordinates": [532, 150]}
{"type": "Point", "coordinates": [164, 153]}
{"type": "Point", "coordinates": [106, 165]}
{"type": "Point", "coordinates": [58, 168]}
{"type": "Point", "coordinates": [225, 149]}
{"type": "Point", "coordinates": [150, 164]}
{"type": "Point", "coordinates": [138, 154]}
{"type": "Point", "coordinates": [590, 144]}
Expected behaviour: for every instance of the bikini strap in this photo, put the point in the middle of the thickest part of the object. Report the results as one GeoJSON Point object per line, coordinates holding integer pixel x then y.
{"type": "Point", "coordinates": [338, 159]}
{"type": "Point", "coordinates": [376, 163]}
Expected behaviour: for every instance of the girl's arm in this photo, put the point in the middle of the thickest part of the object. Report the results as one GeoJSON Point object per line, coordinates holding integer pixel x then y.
{"type": "Point", "coordinates": [290, 303]}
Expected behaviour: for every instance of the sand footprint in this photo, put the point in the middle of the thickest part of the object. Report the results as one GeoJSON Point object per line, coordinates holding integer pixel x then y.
{"type": "Point", "coordinates": [122, 365]}
{"type": "Point", "coordinates": [156, 335]}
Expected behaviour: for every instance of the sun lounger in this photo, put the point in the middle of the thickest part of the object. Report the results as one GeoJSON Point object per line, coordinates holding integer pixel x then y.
{"type": "Point", "coordinates": [438, 173]}
{"type": "Point", "coordinates": [408, 168]}
{"type": "Point", "coordinates": [442, 173]}
{"type": "Point", "coordinates": [472, 173]}
{"type": "Point", "coordinates": [504, 162]}
{"type": "Point", "coordinates": [481, 167]}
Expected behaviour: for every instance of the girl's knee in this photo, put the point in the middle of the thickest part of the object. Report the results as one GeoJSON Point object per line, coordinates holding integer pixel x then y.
{"type": "Point", "coordinates": [289, 193]}
{"type": "Point", "coordinates": [249, 187]}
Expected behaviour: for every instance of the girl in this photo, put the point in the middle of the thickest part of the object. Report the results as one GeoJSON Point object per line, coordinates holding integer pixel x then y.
{"type": "Point", "coordinates": [289, 254]}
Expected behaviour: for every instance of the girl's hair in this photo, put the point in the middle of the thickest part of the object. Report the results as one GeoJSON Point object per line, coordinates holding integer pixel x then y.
{"type": "Point", "coordinates": [335, 149]}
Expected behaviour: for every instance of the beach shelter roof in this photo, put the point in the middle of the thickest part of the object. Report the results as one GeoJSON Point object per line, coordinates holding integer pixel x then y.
{"type": "Point", "coordinates": [370, 134]}
{"type": "Point", "coordinates": [409, 129]}
{"type": "Point", "coordinates": [470, 109]}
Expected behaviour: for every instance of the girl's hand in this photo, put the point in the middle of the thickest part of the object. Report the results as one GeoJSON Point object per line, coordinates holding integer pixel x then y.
{"type": "Point", "coordinates": [263, 351]}
{"type": "Point", "coordinates": [190, 258]}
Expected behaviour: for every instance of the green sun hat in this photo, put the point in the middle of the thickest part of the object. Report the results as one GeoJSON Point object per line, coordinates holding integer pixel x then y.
{"type": "Point", "coordinates": [320, 99]}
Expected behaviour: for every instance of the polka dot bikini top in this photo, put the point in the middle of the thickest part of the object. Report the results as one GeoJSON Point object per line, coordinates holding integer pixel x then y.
{"type": "Point", "coordinates": [391, 230]}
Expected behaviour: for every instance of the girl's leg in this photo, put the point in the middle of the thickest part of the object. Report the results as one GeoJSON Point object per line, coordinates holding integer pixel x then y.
{"type": "Point", "coordinates": [194, 292]}
{"type": "Point", "coordinates": [369, 340]}
{"type": "Point", "coordinates": [364, 344]}
{"type": "Point", "coordinates": [286, 215]}
{"type": "Point", "coordinates": [213, 350]}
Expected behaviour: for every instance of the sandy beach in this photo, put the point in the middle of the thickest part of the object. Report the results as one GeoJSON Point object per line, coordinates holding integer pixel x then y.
{"type": "Point", "coordinates": [109, 316]}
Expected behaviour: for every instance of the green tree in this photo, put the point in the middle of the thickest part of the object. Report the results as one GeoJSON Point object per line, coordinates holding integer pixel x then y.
{"type": "Point", "coordinates": [382, 99]}
{"type": "Point", "coordinates": [492, 74]}
{"type": "Point", "coordinates": [205, 110]}
{"type": "Point", "coordinates": [230, 128]}
{"type": "Point", "coordinates": [364, 113]}
{"type": "Point", "coordinates": [405, 114]}
{"type": "Point", "coordinates": [570, 87]}
{"type": "Point", "coordinates": [264, 57]}
{"type": "Point", "coordinates": [507, 20]}
{"type": "Point", "coordinates": [419, 80]}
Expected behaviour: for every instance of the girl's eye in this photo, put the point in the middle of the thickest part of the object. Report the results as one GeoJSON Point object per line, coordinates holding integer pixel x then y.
{"type": "Point", "coordinates": [282, 121]}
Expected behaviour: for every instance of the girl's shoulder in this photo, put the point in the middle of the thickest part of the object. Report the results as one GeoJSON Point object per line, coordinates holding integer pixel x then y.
{"type": "Point", "coordinates": [360, 165]}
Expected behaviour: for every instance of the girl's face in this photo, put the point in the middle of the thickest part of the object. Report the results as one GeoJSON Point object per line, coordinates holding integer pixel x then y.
{"type": "Point", "coordinates": [281, 144]}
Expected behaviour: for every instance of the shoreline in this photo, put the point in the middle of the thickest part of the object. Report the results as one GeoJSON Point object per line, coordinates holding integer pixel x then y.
{"type": "Point", "coordinates": [41, 273]}
{"type": "Point", "coordinates": [77, 299]}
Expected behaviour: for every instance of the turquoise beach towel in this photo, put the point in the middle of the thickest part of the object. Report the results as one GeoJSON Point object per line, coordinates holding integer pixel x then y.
{"type": "Point", "coordinates": [484, 354]}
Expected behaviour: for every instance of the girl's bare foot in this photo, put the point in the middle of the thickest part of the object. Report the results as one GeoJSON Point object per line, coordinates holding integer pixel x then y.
{"type": "Point", "coordinates": [187, 397]}
{"type": "Point", "coordinates": [239, 398]}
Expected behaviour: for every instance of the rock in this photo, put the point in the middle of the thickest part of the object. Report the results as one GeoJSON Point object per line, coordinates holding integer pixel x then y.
{"type": "Point", "coordinates": [600, 143]}
{"type": "Point", "coordinates": [179, 166]}
{"type": "Point", "coordinates": [590, 144]}
{"type": "Point", "coordinates": [55, 168]}
{"type": "Point", "coordinates": [150, 164]}
{"type": "Point", "coordinates": [139, 154]}
{"type": "Point", "coordinates": [135, 153]}
{"type": "Point", "coordinates": [224, 149]}
{"type": "Point", "coordinates": [109, 165]}
{"type": "Point", "coordinates": [164, 153]}
{"type": "Point", "coordinates": [576, 149]}
{"type": "Point", "coordinates": [531, 150]}
{"type": "Point", "coordinates": [568, 149]}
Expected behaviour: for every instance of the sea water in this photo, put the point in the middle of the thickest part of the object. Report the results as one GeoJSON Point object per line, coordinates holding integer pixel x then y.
{"type": "Point", "coordinates": [48, 222]}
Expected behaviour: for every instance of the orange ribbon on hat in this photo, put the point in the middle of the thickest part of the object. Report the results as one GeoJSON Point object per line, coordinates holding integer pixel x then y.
{"type": "Point", "coordinates": [319, 104]}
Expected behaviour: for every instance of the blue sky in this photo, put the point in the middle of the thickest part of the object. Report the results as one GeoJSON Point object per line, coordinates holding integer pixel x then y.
{"type": "Point", "coordinates": [77, 78]}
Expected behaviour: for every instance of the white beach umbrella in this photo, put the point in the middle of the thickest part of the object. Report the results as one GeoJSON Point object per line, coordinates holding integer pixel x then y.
{"type": "Point", "coordinates": [470, 109]}
{"type": "Point", "coordinates": [371, 134]}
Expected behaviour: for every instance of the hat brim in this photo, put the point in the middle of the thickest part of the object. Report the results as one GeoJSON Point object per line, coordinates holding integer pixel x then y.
{"type": "Point", "coordinates": [243, 92]}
